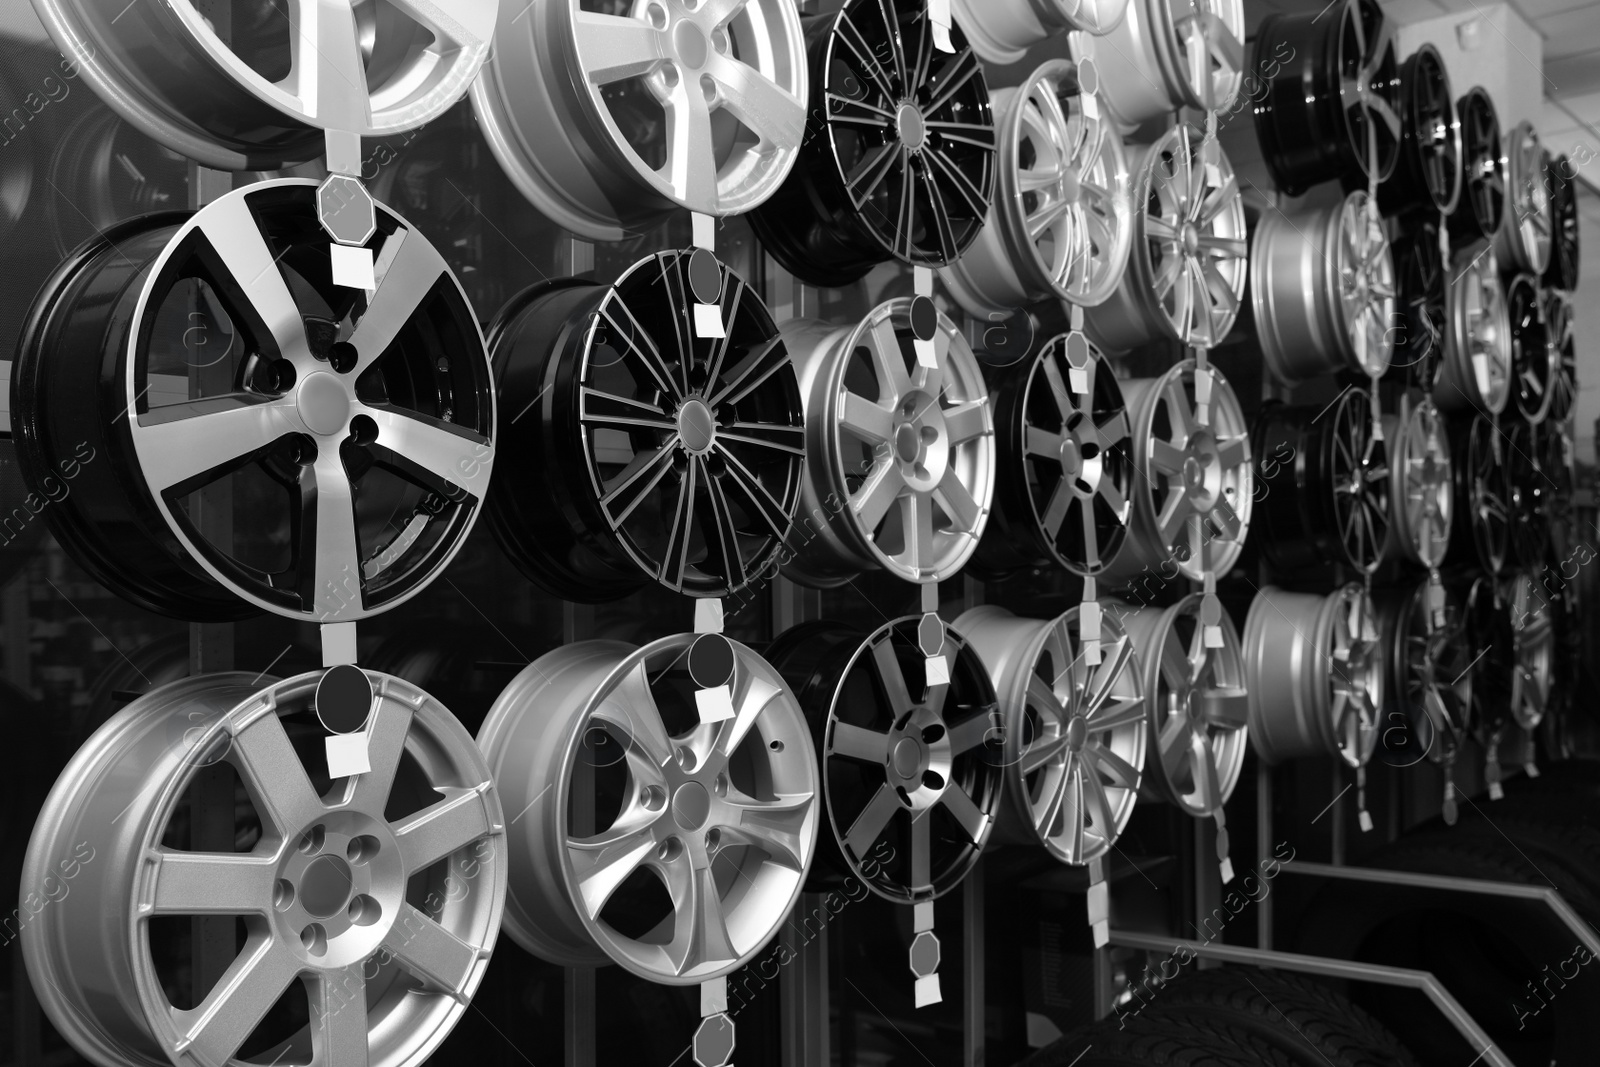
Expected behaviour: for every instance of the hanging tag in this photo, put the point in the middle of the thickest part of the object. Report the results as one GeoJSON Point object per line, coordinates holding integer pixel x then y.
{"type": "Point", "coordinates": [338, 643]}
{"type": "Point", "coordinates": [1211, 614]}
{"type": "Point", "coordinates": [711, 666]}
{"type": "Point", "coordinates": [353, 267]}
{"type": "Point", "coordinates": [705, 283]}
{"type": "Point", "coordinates": [930, 637]}
{"type": "Point", "coordinates": [939, 16]}
{"type": "Point", "coordinates": [1224, 861]}
{"type": "Point", "coordinates": [1530, 768]}
{"type": "Point", "coordinates": [1491, 769]}
{"type": "Point", "coordinates": [714, 1040]}
{"type": "Point", "coordinates": [1098, 904]}
{"type": "Point", "coordinates": [343, 702]}
{"type": "Point", "coordinates": [1436, 599]}
{"type": "Point", "coordinates": [924, 954]}
{"type": "Point", "coordinates": [1089, 631]}
{"type": "Point", "coordinates": [1077, 362]}
{"type": "Point", "coordinates": [705, 231]}
{"type": "Point", "coordinates": [1363, 817]}
{"type": "Point", "coordinates": [1202, 394]}
{"type": "Point", "coordinates": [924, 327]}
{"type": "Point", "coordinates": [708, 615]}
{"type": "Point", "coordinates": [1448, 808]}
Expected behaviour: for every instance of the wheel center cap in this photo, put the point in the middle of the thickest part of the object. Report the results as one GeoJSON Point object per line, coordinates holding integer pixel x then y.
{"type": "Point", "coordinates": [325, 886]}
{"type": "Point", "coordinates": [912, 127]}
{"type": "Point", "coordinates": [1191, 238]}
{"type": "Point", "coordinates": [323, 403]}
{"type": "Point", "coordinates": [1077, 733]}
{"type": "Point", "coordinates": [907, 757]}
{"type": "Point", "coordinates": [691, 805]}
{"type": "Point", "coordinates": [907, 443]}
{"type": "Point", "coordinates": [1071, 458]}
{"type": "Point", "coordinates": [696, 427]}
{"type": "Point", "coordinates": [690, 41]}
{"type": "Point", "coordinates": [1194, 472]}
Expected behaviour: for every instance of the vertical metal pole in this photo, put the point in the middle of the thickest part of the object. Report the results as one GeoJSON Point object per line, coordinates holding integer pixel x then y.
{"type": "Point", "coordinates": [1264, 849]}
{"type": "Point", "coordinates": [1336, 826]}
{"type": "Point", "coordinates": [578, 1002]}
{"type": "Point", "coordinates": [972, 956]}
{"type": "Point", "coordinates": [803, 991]}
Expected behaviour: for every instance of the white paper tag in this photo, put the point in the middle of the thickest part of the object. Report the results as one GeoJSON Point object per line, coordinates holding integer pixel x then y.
{"type": "Point", "coordinates": [347, 754]}
{"type": "Point", "coordinates": [927, 991]}
{"type": "Point", "coordinates": [714, 704]}
{"type": "Point", "coordinates": [938, 671]}
{"type": "Point", "coordinates": [939, 15]}
{"type": "Point", "coordinates": [1226, 869]}
{"type": "Point", "coordinates": [353, 267]}
{"type": "Point", "coordinates": [1496, 791]}
{"type": "Point", "coordinates": [1531, 769]}
{"type": "Point", "coordinates": [705, 231]}
{"type": "Point", "coordinates": [926, 356]}
{"type": "Point", "coordinates": [708, 615]}
{"type": "Point", "coordinates": [1089, 631]}
{"type": "Point", "coordinates": [1213, 637]}
{"type": "Point", "coordinates": [1364, 817]}
{"type": "Point", "coordinates": [708, 321]}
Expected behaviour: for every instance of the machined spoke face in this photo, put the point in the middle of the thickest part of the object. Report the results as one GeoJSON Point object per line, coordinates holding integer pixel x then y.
{"type": "Point", "coordinates": [1477, 370]}
{"type": "Point", "coordinates": [1527, 244]}
{"type": "Point", "coordinates": [1431, 150]}
{"type": "Point", "coordinates": [1420, 489]}
{"type": "Point", "coordinates": [1366, 286]}
{"type": "Point", "coordinates": [1562, 338]}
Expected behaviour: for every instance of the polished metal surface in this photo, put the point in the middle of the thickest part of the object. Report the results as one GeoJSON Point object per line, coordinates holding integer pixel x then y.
{"type": "Point", "coordinates": [1322, 286]}
{"type": "Point", "coordinates": [1532, 648]}
{"type": "Point", "coordinates": [1314, 671]}
{"type": "Point", "coordinates": [1074, 731]}
{"type": "Point", "coordinates": [1475, 374]}
{"type": "Point", "coordinates": [386, 923]}
{"type": "Point", "coordinates": [1527, 226]}
{"type": "Point", "coordinates": [1186, 273]}
{"type": "Point", "coordinates": [900, 454]}
{"type": "Point", "coordinates": [721, 816]}
{"type": "Point", "coordinates": [1195, 694]}
{"type": "Point", "coordinates": [1061, 223]}
{"type": "Point", "coordinates": [609, 120]}
{"type": "Point", "coordinates": [1002, 31]}
{"type": "Point", "coordinates": [1166, 55]}
{"type": "Point", "coordinates": [1194, 483]}
{"type": "Point", "coordinates": [1421, 503]}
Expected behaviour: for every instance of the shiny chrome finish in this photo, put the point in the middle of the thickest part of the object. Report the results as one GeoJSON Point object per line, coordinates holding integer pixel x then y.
{"type": "Point", "coordinates": [900, 456]}
{"type": "Point", "coordinates": [386, 923]}
{"type": "Point", "coordinates": [286, 73]}
{"type": "Point", "coordinates": [1322, 286]}
{"type": "Point", "coordinates": [1535, 357]}
{"type": "Point", "coordinates": [1166, 55]}
{"type": "Point", "coordinates": [1002, 31]}
{"type": "Point", "coordinates": [1061, 223]}
{"type": "Point", "coordinates": [1420, 497]}
{"type": "Point", "coordinates": [720, 816]}
{"type": "Point", "coordinates": [1194, 482]}
{"type": "Point", "coordinates": [1075, 732]}
{"type": "Point", "coordinates": [1186, 273]}
{"type": "Point", "coordinates": [1314, 671]}
{"type": "Point", "coordinates": [1064, 466]}
{"type": "Point", "coordinates": [1532, 649]}
{"type": "Point", "coordinates": [1428, 666]}
{"type": "Point", "coordinates": [1524, 238]}
{"type": "Point", "coordinates": [1560, 333]}
{"type": "Point", "coordinates": [610, 117]}
{"type": "Point", "coordinates": [1197, 703]}
{"type": "Point", "coordinates": [1475, 374]}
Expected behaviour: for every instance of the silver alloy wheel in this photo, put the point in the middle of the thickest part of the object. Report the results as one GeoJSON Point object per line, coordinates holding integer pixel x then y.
{"type": "Point", "coordinates": [1002, 31]}
{"type": "Point", "coordinates": [1532, 649]}
{"type": "Point", "coordinates": [387, 922]}
{"type": "Point", "coordinates": [1194, 482]}
{"type": "Point", "coordinates": [1527, 225]}
{"type": "Point", "coordinates": [1314, 671]}
{"type": "Point", "coordinates": [1167, 55]}
{"type": "Point", "coordinates": [721, 815]}
{"type": "Point", "coordinates": [1322, 289]}
{"type": "Point", "coordinates": [609, 121]}
{"type": "Point", "coordinates": [1475, 374]}
{"type": "Point", "coordinates": [1186, 273]}
{"type": "Point", "coordinates": [1061, 222]}
{"type": "Point", "coordinates": [1074, 732]}
{"type": "Point", "coordinates": [900, 456]}
{"type": "Point", "coordinates": [1421, 497]}
{"type": "Point", "coordinates": [286, 73]}
{"type": "Point", "coordinates": [1195, 694]}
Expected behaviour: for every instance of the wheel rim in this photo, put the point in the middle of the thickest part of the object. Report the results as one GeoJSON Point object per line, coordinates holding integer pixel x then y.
{"type": "Point", "coordinates": [1196, 479]}
{"type": "Point", "coordinates": [1002, 31]}
{"type": "Point", "coordinates": [264, 99]}
{"type": "Point", "coordinates": [1524, 238]}
{"type": "Point", "coordinates": [900, 154]}
{"type": "Point", "coordinates": [1476, 372]}
{"type": "Point", "coordinates": [1074, 733]}
{"type": "Point", "coordinates": [1430, 155]}
{"type": "Point", "coordinates": [16, 175]}
{"type": "Point", "coordinates": [326, 893]}
{"type": "Point", "coordinates": [1483, 169]}
{"type": "Point", "coordinates": [1062, 223]}
{"type": "Point", "coordinates": [1528, 496]}
{"type": "Point", "coordinates": [1560, 335]}
{"type": "Point", "coordinates": [1421, 303]}
{"type": "Point", "coordinates": [1564, 250]}
{"type": "Point", "coordinates": [1534, 357]}
{"type": "Point", "coordinates": [1196, 698]}
{"type": "Point", "coordinates": [1489, 630]}
{"type": "Point", "coordinates": [1480, 495]}
{"type": "Point", "coordinates": [1187, 267]}
{"type": "Point", "coordinates": [1326, 480]}
{"type": "Point", "coordinates": [908, 448]}
{"type": "Point", "coordinates": [1327, 660]}
{"type": "Point", "coordinates": [721, 815]}
{"type": "Point", "coordinates": [358, 446]}
{"type": "Point", "coordinates": [1420, 493]}
{"type": "Point", "coordinates": [609, 122]}
{"type": "Point", "coordinates": [1428, 664]}
{"type": "Point", "coordinates": [1533, 650]}
{"type": "Point", "coordinates": [93, 196]}
{"type": "Point", "coordinates": [668, 457]}
{"type": "Point", "coordinates": [1158, 60]}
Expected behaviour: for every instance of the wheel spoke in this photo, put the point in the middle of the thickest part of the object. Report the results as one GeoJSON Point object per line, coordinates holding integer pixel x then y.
{"type": "Point", "coordinates": [751, 373]}
{"type": "Point", "coordinates": [963, 422]}
{"type": "Point", "coordinates": [600, 864]}
{"type": "Point", "coordinates": [1042, 443]}
{"type": "Point", "coordinates": [858, 743]}
{"type": "Point", "coordinates": [444, 827]}
{"type": "Point", "coordinates": [603, 410]}
{"type": "Point", "coordinates": [450, 455]}
{"type": "Point", "coordinates": [970, 733]}
{"type": "Point", "coordinates": [615, 47]}
{"type": "Point", "coordinates": [215, 1028]}
{"type": "Point", "coordinates": [1112, 665]}
{"type": "Point", "coordinates": [1224, 706]}
{"type": "Point", "coordinates": [330, 79]}
{"type": "Point", "coordinates": [1207, 787]}
{"type": "Point", "coordinates": [250, 281]}
{"type": "Point", "coordinates": [886, 665]}
{"type": "Point", "coordinates": [958, 504]}
{"type": "Point", "coordinates": [691, 167]}
{"type": "Point", "coordinates": [636, 482]}
{"type": "Point", "coordinates": [201, 883]}
{"type": "Point", "coordinates": [870, 824]}
{"type": "Point", "coordinates": [631, 709]}
{"type": "Point", "coordinates": [386, 743]}
{"type": "Point", "coordinates": [1165, 457]}
{"type": "Point", "coordinates": [336, 562]}
{"type": "Point", "coordinates": [974, 823]}
{"type": "Point", "coordinates": [776, 827]}
{"type": "Point", "coordinates": [752, 693]}
{"type": "Point", "coordinates": [865, 419]}
{"type": "Point", "coordinates": [443, 961]}
{"type": "Point", "coordinates": [273, 775]}
{"type": "Point", "coordinates": [340, 1033]}
{"type": "Point", "coordinates": [183, 446]}
{"type": "Point", "coordinates": [765, 108]}
{"type": "Point", "coordinates": [407, 269]}
{"type": "Point", "coordinates": [1043, 751]}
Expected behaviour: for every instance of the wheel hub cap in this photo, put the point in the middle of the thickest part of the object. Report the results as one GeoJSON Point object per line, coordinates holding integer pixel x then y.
{"type": "Point", "coordinates": [693, 48]}
{"type": "Point", "coordinates": [1202, 470]}
{"type": "Point", "coordinates": [909, 757]}
{"type": "Point", "coordinates": [1071, 458]}
{"type": "Point", "coordinates": [913, 129]}
{"type": "Point", "coordinates": [325, 886]}
{"type": "Point", "coordinates": [1191, 238]}
{"type": "Point", "coordinates": [323, 403]}
{"type": "Point", "coordinates": [696, 427]}
{"type": "Point", "coordinates": [921, 442]}
{"type": "Point", "coordinates": [691, 806]}
{"type": "Point", "coordinates": [1077, 733]}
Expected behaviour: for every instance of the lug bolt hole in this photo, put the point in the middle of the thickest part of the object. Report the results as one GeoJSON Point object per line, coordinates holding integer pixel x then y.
{"type": "Point", "coordinates": [929, 435]}
{"type": "Point", "coordinates": [282, 894]}
{"type": "Point", "coordinates": [315, 939]}
{"type": "Point", "coordinates": [669, 75]}
{"type": "Point", "coordinates": [343, 357]}
{"type": "Point", "coordinates": [686, 759]}
{"type": "Point", "coordinates": [670, 849]}
{"type": "Point", "coordinates": [657, 15]}
{"type": "Point", "coordinates": [363, 430]}
{"type": "Point", "coordinates": [708, 87]}
{"type": "Point", "coordinates": [720, 786]}
{"type": "Point", "coordinates": [313, 839]}
{"type": "Point", "coordinates": [713, 839]}
{"type": "Point", "coordinates": [933, 779]}
{"type": "Point", "coordinates": [931, 734]}
{"type": "Point", "coordinates": [653, 797]}
{"type": "Point", "coordinates": [364, 911]}
{"type": "Point", "coordinates": [362, 849]}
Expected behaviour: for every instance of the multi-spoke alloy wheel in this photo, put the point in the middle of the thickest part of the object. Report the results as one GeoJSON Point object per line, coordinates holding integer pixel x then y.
{"type": "Point", "coordinates": [1002, 31]}
{"type": "Point", "coordinates": [911, 772]}
{"type": "Point", "coordinates": [1322, 290]}
{"type": "Point", "coordinates": [645, 451]}
{"type": "Point", "coordinates": [609, 116]}
{"type": "Point", "coordinates": [1532, 648]}
{"type": "Point", "coordinates": [1483, 170]}
{"type": "Point", "coordinates": [1525, 235]}
{"type": "Point", "coordinates": [897, 160]}
{"type": "Point", "coordinates": [1186, 272]}
{"type": "Point", "coordinates": [1429, 170]}
{"type": "Point", "coordinates": [1325, 484]}
{"type": "Point", "coordinates": [1534, 355]}
{"type": "Point", "coordinates": [1194, 484]}
{"type": "Point", "coordinates": [1529, 496]}
{"type": "Point", "coordinates": [1421, 304]}
{"type": "Point", "coordinates": [1480, 527]}
{"type": "Point", "coordinates": [1427, 657]}
{"type": "Point", "coordinates": [672, 846]}
{"type": "Point", "coordinates": [1333, 108]}
{"type": "Point", "coordinates": [260, 94]}
{"type": "Point", "coordinates": [378, 894]}
{"type": "Point", "coordinates": [1475, 374]}
{"type": "Point", "coordinates": [1559, 333]}
{"type": "Point", "coordinates": [213, 353]}
{"type": "Point", "coordinates": [1420, 491]}
{"type": "Point", "coordinates": [1492, 645]}
{"type": "Point", "coordinates": [1561, 177]}
{"type": "Point", "coordinates": [1167, 55]}
{"type": "Point", "coordinates": [1074, 733]}
{"type": "Point", "coordinates": [1064, 464]}
{"type": "Point", "coordinates": [1196, 697]}
{"type": "Point", "coordinates": [900, 454]}
{"type": "Point", "coordinates": [1314, 671]}
{"type": "Point", "coordinates": [1061, 224]}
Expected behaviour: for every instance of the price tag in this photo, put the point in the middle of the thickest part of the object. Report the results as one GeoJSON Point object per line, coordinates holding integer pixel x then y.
{"type": "Point", "coordinates": [938, 671]}
{"type": "Point", "coordinates": [1202, 395]}
{"type": "Point", "coordinates": [353, 267]}
{"type": "Point", "coordinates": [705, 282]}
{"type": "Point", "coordinates": [939, 16]}
{"type": "Point", "coordinates": [924, 327]}
{"type": "Point", "coordinates": [1089, 627]}
{"type": "Point", "coordinates": [1078, 362]}
{"type": "Point", "coordinates": [1364, 817]}
{"type": "Point", "coordinates": [711, 663]}
{"type": "Point", "coordinates": [343, 702]}
{"type": "Point", "coordinates": [708, 321]}
{"type": "Point", "coordinates": [714, 704]}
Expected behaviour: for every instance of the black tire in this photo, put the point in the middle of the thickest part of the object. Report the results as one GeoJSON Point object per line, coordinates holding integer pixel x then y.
{"type": "Point", "coordinates": [1153, 1038]}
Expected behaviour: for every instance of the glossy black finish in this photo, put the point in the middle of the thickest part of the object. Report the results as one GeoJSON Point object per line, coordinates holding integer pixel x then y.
{"type": "Point", "coordinates": [1534, 361]}
{"type": "Point", "coordinates": [1561, 179]}
{"type": "Point", "coordinates": [1428, 694]}
{"type": "Point", "coordinates": [1559, 326]}
{"type": "Point", "coordinates": [1480, 527]}
{"type": "Point", "coordinates": [1528, 496]}
{"type": "Point", "coordinates": [1483, 170]}
{"type": "Point", "coordinates": [1421, 302]}
{"type": "Point", "coordinates": [1489, 631]}
{"type": "Point", "coordinates": [1428, 174]}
